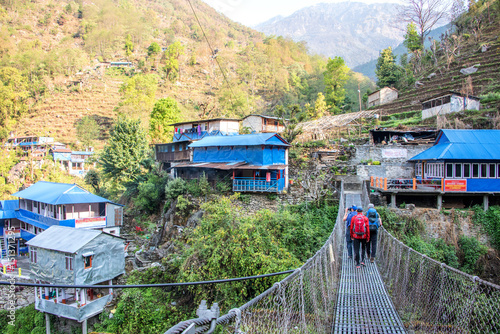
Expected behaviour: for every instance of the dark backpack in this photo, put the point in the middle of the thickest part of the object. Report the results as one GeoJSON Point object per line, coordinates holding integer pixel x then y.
{"type": "Point", "coordinates": [373, 220]}
{"type": "Point", "coordinates": [359, 226]}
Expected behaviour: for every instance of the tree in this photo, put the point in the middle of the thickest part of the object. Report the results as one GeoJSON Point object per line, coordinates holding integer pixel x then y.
{"type": "Point", "coordinates": [290, 118]}
{"type": "Point", "coordinates": [153, 50]}
{"type": "Point", "coordinates": [87, 130]}
{"type": "Point", "coordinates": [412, 39]}
{"type": "Point", "coordinates": [165, 111]}
{"type": "Point", "coordinates": [320, 107]}
{"type": "Point", "coordinates": [174, 51]}
{"type": "Point", "coordinates": [138, 94]}
{"type": "Point", "coordinates": [335, 77]}
{"type": "Point", "coordinates": [387, 71]}
{"type": "Point", "coordinates": [425, 14]}
{"type": "Point", "coordinates": [13, 95]}
{"type": "Point", "coordinates": [129, 45]}
{"type": "Point", "coordinates": [125, 156]}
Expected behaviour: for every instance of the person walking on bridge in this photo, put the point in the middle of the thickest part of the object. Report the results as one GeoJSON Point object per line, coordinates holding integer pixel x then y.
{"type": "Point", "coordinates": [375, 223]}
{"type": "Point", "coordinates": [360, 235]}
{"type": "Point", "coordinates": [349, 213]}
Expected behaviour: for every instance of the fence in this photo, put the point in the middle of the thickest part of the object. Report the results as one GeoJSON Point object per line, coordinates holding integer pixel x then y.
{"type": "Point", "coordinates": [303, 302]}
{"type": "Point", "coordinates": [409, 184]}
{"type": "Point", "coordinates": [432, 297]}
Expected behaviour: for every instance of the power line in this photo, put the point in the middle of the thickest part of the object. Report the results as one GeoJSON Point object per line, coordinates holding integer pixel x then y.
{"type": "Point", "coordinates": [158, 285]}
{"type": "Point", "coordinates": [212, 50]}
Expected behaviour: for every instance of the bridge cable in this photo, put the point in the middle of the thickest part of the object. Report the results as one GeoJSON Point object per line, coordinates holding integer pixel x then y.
{"type": "Point", "coordinates": [157, 285]}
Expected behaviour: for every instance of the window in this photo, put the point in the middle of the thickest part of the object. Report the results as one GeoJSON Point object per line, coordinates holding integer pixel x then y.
{"type": "Point", "coordinates": [434, 170]}
{"type": "Point", "coordinates": [492, 171]}
{"type": "Point", "coordinates": [87, 260]}
{"type": "Point", "coordinates": [69, 262]}
{"type": "Point", "coordinates": [418, 169]}
{"type": "Point", "coordinates": [449, 171]}
{"type": "Point", "coordinates": [466, 171]}
{"type": "Point", "coordinates": [33, 256]}
{"type": "Point", "coordinates": [484, 170]}
{"type": "Point", "coordinates": [458, 171]}
{"type": "Point", "coordinates": [475, 170]}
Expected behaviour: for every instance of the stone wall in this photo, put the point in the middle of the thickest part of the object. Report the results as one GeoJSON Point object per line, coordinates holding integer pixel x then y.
{"type": "Point", "coordinates": [23, 296]}
{"type": "Point", "coordinates": [393, 159]}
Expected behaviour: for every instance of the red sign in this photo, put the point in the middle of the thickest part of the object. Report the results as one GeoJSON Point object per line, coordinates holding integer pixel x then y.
{"type": "Point", "coordinates": [455, 185]}
{"type": "Point", "coordinates": [91, 222]}
{"type": "Point", "coordinates": [268, 177]}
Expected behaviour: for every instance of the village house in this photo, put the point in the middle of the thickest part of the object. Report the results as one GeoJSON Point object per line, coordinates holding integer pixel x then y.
{"type": "Point", "coordinates": [254, 162]}
{"type": "Point", "coordinates": [68, 256]}
{"type": "Point", "coordinates": [382, 96]}
{"type": "Point", "coordinates": [449, 102]}
{"type": "Point", "coordinates": [46, 204]}
{"type": "Point", "coordinates": [262, 124]}
{"type": "Point", "coordinates": [170, 154]}
{"type": "Point", "coordinates": [30, 144]}
{"type": "Point", "coordinates": [461, 169]}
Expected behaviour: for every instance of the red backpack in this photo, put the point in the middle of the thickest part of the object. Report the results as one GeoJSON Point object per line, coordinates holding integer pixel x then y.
{"type": "Point", "coordinates": [359, 227]}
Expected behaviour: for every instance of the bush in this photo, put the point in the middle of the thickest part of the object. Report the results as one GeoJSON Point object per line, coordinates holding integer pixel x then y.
{"type": "Point", "coordinates": [471, 250]}
{"type": "Point", "coordinates": [200, 187]}
{"type": "Point", "coordinates": [490, 221]}
{"type": "Point", "coordinates": [183, 205]}
{"type": "Point", "coordinates": [175, 187]}
{"type": "Point", "coordinates": [223, 186]}
{"type": "Point", "coordinates": [150, 193]}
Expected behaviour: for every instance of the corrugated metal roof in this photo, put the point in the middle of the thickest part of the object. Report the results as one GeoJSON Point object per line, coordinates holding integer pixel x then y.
{"type": "Point", "coordinates": [63, 239]}
{"type": "Point", "coordinates": [463, 145]}
{"type": "Point", "coordinates": [59, 193]}
{"type": "Point", "coordinates": [242, 140]}
{"type": "Point", "coordinates": [214, 165]}
{"type": "Point", "coordinates": [8, 209]}
{"type": "Point", "coordinates": [205, 120]}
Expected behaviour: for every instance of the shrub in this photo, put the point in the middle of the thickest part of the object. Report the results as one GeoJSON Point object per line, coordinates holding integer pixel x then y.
{"type": "Point", "coordinates": [175, 187]}
{"type": "Point", "coordinates": [150, 193]}
{"type": "Point", "coordinates": [471, 250]}
{"type": "Point", "coordinates": [490, 221]}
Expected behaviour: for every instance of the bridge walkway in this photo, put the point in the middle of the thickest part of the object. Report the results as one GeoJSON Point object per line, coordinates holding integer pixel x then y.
{"type": "Point", "coordinates": [363, 305]}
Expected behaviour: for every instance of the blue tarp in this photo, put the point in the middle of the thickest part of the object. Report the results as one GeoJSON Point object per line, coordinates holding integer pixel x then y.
{"type": "Point", "coordinates": [463, 145]}
{"type": "Point", "coordinates": [59, 193]}
{"type": "Point", "coordinates": [242, 140]}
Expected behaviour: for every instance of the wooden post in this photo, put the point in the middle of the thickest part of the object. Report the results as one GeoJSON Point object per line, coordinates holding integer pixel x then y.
{"type": "Point", "coordinates": [385, 183]}
{"type": "Point", "coordinates": [371, 181]}
{"type": "Point", "coordinates": [414, 184]}
{"type": "Point", "coordinates": [442, 184]}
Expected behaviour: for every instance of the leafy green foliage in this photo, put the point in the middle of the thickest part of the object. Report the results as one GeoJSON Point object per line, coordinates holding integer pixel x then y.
{"type": "Point", "coordinates": [27, 321]}
{"type": "Point", "coordinates": [127, 153]}
{"type": "Point", "coordinates": [129, 45]}
{"type": "Point", "coordinates": [387, 71]}
{"type": "Point", "coordinates": [199, 187]}
{"type": "Point", "coordinates": [490, 221]}
{"type": "Point", "coordinates": [472, 250]}
{"type": "Point", "coordinates": [412, 38]}
{"type": "Point", "coordinates": [434, 248]}
{"type": "Point", "coordinates": [335, 77]}
{"type": "Point", "coordinates": [150, 193]}
{"type": "Point", "coordinates": [165, 112]}
{"type": "Point", "coordinates": [87, 131]}
{"type": "Point", "coordinates": [13, 95]}
{"type": "Point", "coordinates": [138, 95]}
{"type": "Point", "coordinates": [172, 54]}
{"type": "Point", "coordinates": [176, 187]}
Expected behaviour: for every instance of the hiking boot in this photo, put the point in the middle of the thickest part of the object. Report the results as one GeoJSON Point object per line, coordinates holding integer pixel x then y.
{"type": "Point", "coordinates": [372, 259]}
{"type": "Point", "coordinates": [363, 264]}
{"type": "Point", "coordinates": [358, 267]}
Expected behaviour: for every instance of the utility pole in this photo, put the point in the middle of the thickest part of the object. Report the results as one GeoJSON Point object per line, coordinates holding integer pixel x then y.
{"type": "Point", "coordinates": [359, 95]}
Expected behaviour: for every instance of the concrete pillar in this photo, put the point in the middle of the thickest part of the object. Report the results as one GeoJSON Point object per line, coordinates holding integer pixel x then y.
{"type": "Point", "coordinates": [393, 200]}
{"type": "Point", "coordinates": [84, 326]}
{"type": "Point", "coordinates": [439, 201]}
{"type": "Point", "coordinates": [110, 289]}
{"type": "Point", "coordinates": [47, 323]}
{"type": "Point", "coordinates": [486, 202]}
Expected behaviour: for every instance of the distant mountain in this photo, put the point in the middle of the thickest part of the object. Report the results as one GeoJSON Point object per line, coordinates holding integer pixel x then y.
{"type": "Point", "coordinates": [355, 31]}
{"type": "Point", "coordinates": [368, 68]}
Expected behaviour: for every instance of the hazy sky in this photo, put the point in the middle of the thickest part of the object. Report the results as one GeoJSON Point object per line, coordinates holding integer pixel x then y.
{"type": "Point", "coordinates": [252, 12]}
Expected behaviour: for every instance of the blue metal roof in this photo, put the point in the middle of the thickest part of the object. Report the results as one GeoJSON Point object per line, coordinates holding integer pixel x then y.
{"type": "Point", "coordinates": [463, 145]}
{"type": "Point", "coordinates": [59, 193]}
{"type": "Point", "coordinates": [8, 209]}
{"type": "Point", "coordinates": [242, 140]}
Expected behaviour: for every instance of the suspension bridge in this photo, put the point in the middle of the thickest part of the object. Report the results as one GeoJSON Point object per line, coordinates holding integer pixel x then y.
{"type": "Point", "coordinates": [403, 292]}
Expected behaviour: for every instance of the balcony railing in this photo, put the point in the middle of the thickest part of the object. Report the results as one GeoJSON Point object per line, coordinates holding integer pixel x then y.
{"type": "Point", "coordinates": [249, 184]}
{"type": "Point", "coordinates": [384, 183]}
{"type": "Point", "coordinates": [73, 310]}
{"type": "Point", "coordinates": [172, 156]}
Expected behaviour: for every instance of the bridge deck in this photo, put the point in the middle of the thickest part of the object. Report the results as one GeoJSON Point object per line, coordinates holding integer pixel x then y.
{"type": "Point", "coordinates": [363, 305]}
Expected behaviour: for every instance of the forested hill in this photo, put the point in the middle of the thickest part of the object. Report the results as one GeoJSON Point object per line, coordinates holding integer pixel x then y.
{"type": "Point", "coordinates": [54, 54]}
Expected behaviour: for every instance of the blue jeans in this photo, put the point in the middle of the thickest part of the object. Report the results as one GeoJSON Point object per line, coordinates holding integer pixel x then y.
{"type": "Point", "coordinates": [371, 247]}
{"type": "Point", "coordinates": [348, 243]}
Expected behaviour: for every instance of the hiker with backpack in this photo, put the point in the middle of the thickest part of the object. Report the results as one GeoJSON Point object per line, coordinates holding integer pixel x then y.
{"type": "Point", "coordinates": [360, 235]}
{"type": "Point", "coordinates": [349, 213]}
{"type": "Point", "coordinates": [375, 222]}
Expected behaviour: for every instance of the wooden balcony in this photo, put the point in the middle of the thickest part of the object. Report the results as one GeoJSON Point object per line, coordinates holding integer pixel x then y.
{"type": "Point", "coordinates": [173, 156]}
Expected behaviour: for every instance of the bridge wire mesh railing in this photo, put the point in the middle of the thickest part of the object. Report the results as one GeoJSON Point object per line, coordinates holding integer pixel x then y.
{"type": "Point", "coordinates": [303, 302]}
{"type": "Point", "coordinates": [432, 297]}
